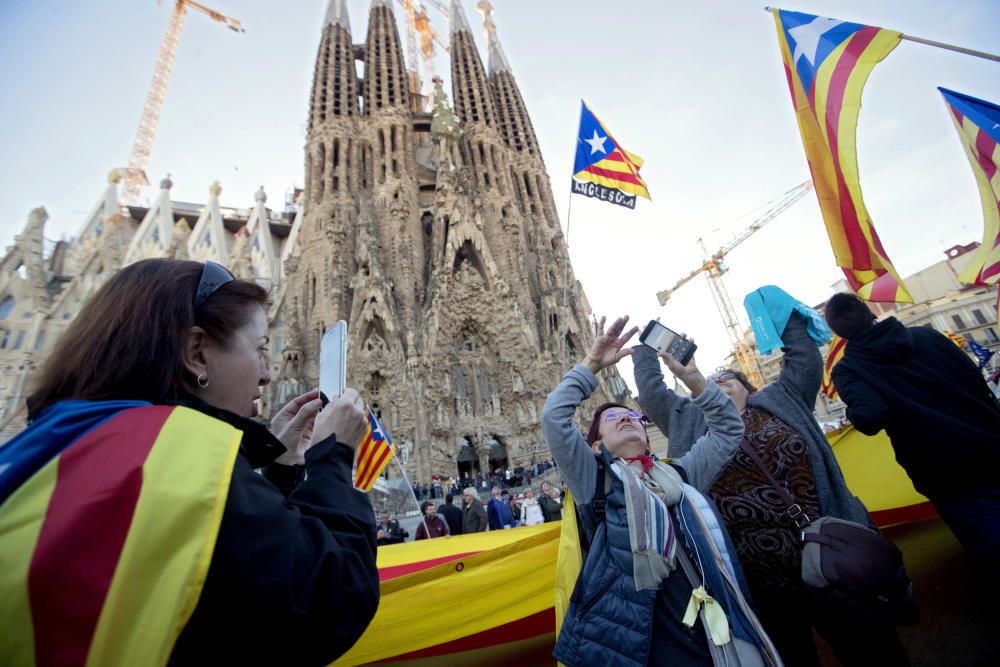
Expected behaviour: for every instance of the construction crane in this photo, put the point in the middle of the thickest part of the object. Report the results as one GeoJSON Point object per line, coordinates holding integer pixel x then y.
{"type": "Point", "coordinates": [714, 267]}
{"type": "Point", "coordinates": [418, 23]}
{"type": "Point", "coordinates": [135, 175]}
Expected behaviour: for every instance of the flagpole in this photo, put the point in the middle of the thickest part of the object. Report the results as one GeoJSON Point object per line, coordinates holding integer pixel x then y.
{"type": "Point", "coordinates": [423, 517]}
{"type": "Point", "coordinates": [952, 47]}
{"type": "Point", "coordinates": [942, 45]}
{"type": "Point", "coordinates": [569, 211]}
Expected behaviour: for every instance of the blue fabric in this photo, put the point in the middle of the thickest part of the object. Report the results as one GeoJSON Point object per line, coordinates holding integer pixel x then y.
{"type": "Point", "coordinates": [982, 354]}
{"type": "Point", "coordinates": [769, 309]}
{"type": "Point", "coordinates": [53, 431]}
{"type": "Point", "coordinates": [500, 514]}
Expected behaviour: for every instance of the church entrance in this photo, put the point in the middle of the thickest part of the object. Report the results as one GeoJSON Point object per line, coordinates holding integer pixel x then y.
{"type": "Point", "coordinates": [468, 462]}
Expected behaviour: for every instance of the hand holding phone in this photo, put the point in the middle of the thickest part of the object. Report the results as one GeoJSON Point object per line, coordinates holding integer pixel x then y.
{"type": "Point", "coordinates": [333, 362]}
{"type": "Point", "coordinates": [662, 339]}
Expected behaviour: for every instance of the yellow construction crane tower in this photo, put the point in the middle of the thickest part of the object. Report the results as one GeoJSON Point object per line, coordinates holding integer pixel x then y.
{"type": "Point", "coordinates": [714, 268]}
{"type": "Point", "coordinates": [418, 23]}
{"type": "Point", "coordinates": [135, 175]}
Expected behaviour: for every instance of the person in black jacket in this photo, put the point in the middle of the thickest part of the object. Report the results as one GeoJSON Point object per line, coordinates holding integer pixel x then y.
{"type": "Point", "coordinates": [550, 503]}
{"type": "Point", "coordinates": [292, 577]}
{"type": "Point", "coordinates": [935, 406]}
{"type": "Point", "coordinates": [452, 515]}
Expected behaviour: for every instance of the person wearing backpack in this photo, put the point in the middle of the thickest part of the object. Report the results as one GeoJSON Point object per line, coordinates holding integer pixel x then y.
{"type": "Point", "coordinates": [660, 583]}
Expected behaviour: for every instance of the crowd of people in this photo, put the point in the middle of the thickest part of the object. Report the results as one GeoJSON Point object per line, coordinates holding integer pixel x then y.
{"type": "Point", "coordinates": [506, 478]}
{"type": "Point", "coordinates": [142, 459]}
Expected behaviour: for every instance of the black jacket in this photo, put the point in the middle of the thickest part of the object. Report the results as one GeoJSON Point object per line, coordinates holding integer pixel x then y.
{"type": "Point", "coordinates": [931, 400]}
{"type": "Point", "coordinates": [293, 579]}
{"type": "Point", "coordinates": [453, 516]}
{"type": "Point", "coordinates": [551, 509]}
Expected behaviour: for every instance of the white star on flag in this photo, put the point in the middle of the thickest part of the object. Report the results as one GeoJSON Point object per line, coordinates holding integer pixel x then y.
{"type": "Point", "coordinates": [597, 143]}
{"type": "Point", "coordinates": [808, 36]}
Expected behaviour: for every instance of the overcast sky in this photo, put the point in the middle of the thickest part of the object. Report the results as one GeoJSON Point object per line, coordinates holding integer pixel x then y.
{"type": "Point", "coordinates": [695, 88]}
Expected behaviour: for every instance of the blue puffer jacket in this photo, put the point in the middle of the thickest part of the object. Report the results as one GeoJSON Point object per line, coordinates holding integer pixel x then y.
{"type": "Point", "coordinates": [610, 623]}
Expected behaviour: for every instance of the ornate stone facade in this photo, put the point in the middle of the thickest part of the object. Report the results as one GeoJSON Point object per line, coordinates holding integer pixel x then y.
{"type": "Point", "coordinates": [434, 235]}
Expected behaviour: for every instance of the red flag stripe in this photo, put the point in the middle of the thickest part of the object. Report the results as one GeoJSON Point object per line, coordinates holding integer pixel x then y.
{"type": "Point", "coordinates": [614, 175]}
{"type": "Point", "coordinates": [377, 460]}
{"type": "Point", "coordinates": [364, 456]}
{"type": "Point", "coordinates": [984, 153]}
{"type": "Point", "coordinates": [67, 594]}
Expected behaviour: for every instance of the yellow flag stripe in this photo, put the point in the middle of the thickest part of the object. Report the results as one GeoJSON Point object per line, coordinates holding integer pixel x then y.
{"type": "Point", "coordinates": [170, 542]}
{"type": "Point", "coordinates": [21, 518]}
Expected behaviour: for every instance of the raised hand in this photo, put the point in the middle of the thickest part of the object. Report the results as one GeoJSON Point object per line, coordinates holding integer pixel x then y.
{"type": "Point", "coordinates": [689, 374]}
{"type": "Point", "coordinates": [293, 426]}
{"type": "Point", "coordinates": [607, 348]}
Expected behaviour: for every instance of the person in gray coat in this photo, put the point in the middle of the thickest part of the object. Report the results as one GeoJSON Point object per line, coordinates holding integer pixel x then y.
{"type": "Point", "coordinates": [781, 429]}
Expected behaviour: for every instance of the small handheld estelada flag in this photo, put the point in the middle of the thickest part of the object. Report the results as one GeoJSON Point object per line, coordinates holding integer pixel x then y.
{"type": "Point", "coordinates": [374, 453]}
{"type": "Point", "coordinates": [602, 168]}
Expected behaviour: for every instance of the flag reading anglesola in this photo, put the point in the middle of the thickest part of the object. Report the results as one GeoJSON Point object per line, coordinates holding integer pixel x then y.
{"type": "Point", "coordinates": [602, 168]}
{"type": "Point", "coordinates": [978, 125]}
{"type": "Point", "coordinates": [827, 63]}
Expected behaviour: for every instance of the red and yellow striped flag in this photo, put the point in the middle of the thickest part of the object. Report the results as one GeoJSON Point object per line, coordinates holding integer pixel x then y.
{"type": "Point", "coordinates": [106, 535]}
{"type": "Point", "coordinates": [835, 352]}
{"type": "Point", "coordinates": [955, 338]}
{"type": "Point", "coordinates": [374, 453]}
{"type": "Point", "coordinates": [978, 125]}
{"type": "Point", "coordinates": [827, 63]}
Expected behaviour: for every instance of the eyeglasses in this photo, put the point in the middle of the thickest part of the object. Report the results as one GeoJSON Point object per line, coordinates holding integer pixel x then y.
{"type": "Point", "coordinates": [615, 415]}
{"type": "Point", "coordinates": [213, 276]}
{"type": "Point", "coordinates": [724, 376]}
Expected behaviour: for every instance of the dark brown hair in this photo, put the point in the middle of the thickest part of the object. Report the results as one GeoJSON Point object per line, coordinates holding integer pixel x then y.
{"type": "Point", "coordinates": [847, 315]}
{"type": "Point", "coordinates": [128, 341]}
{"type": "Point", "coordinates": [744, 380]}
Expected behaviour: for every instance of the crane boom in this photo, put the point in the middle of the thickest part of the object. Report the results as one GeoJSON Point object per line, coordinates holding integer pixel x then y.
{"type": "Point", "coordinates": [135, 175]}
{"type": "Point", "coordinates": [714, 268]}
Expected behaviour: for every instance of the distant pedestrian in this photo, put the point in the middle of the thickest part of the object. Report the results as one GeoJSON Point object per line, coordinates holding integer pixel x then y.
{"type": "Point", "coordinates": [452, 515]}
{"type": "Point", "coordinates": [474, 514]}
{"type": "Point", "coordinates": [430, 522]}
{"type": "Point", "coordinates": [531, 511]}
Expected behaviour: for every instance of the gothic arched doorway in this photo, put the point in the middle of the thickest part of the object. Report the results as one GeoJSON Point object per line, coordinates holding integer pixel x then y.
{"type": "Point", "coordinates": [498, 455]}
{"type": "Point", "coordinates": [468, 462]}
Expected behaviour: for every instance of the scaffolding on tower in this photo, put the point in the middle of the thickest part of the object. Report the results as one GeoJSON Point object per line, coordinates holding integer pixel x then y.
{"type": "Point", "coordinates": [714, 267]}
{"type": "Point", "coordinates": [418, 23]}
{"type": "Point", "coordinates": [135, 174]}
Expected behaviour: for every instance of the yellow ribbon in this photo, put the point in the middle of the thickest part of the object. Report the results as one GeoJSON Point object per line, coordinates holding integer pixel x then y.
{"type": "Point", "coordinates": [715, 618]}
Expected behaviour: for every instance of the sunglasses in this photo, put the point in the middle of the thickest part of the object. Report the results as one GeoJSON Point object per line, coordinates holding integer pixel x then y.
{"type": "Point", "coordinates": [724, 376]}
{"type": "Point", "coordinates": [213, 276]}
{"type": "Point", "coordinates": [615, 415]}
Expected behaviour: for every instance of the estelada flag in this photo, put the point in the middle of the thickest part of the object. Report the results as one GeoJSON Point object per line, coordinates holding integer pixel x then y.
{"type": "Point", "coordinates": [978, 125]}
{"type": "Point", "coordinates": [602, 160]}
{"type": "Point", "coordinates": [835, 352]}
{"type": "Point", "coordinates": [109, 513]}
{"type": "Point", "coordinates": [827, 63]}
{"type": "Point", "coordinates": [374, 453]}
{"type": "Point", "coordinates": [955, 338]}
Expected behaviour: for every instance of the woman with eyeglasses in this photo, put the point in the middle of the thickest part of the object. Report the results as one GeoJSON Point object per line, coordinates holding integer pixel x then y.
{"type": "Point", "coordinates": [134, 529]}
{"type": "Point", "coordinates": [660, 584]}
{"type": "Point", "coordinates": [781, 429]}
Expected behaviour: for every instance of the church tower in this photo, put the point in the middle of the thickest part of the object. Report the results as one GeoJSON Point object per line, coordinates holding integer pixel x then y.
{"type": "Point", "coordinates": [434, 235]}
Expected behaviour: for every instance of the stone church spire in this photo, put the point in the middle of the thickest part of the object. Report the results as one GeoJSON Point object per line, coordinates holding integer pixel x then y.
{"type": "Point", "coordinates": [470, 87]}
{"type": "Point", "coordinates": [335, 82]}
{"type": "Point", "coordinates": [512, 114]}
{"type": "Point", "coordinates": [385, 71]}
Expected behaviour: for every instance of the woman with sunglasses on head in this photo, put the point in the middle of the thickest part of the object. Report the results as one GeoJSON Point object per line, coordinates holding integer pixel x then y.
{"type": "Point", "coordinates": [660, 584]}
{"type": "Point", "coordinates": [781, 429]}
{"type": "Point", "coordinates": [133, 526]}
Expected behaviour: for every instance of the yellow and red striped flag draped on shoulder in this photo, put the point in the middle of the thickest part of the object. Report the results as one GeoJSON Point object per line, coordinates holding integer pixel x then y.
{"type": "Point", "coordinates": [107, 532]}
{"type": "Point", "coordinates": [827, 63]}
{"type": "Point", "coordinates": [978, 125]}
{"type": "Point", "coordinates": [374, 453]}
{"type": "Point", "coordinates": [835, 352]}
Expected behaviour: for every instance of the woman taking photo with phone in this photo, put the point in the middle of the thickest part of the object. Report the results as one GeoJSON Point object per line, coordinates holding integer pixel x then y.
{"type": "Point", "coordinates": [659, 583]}
{"type": "Point", "coordinates": [781, 429]}
{"type": "Point", "coordinates": [134, 529]}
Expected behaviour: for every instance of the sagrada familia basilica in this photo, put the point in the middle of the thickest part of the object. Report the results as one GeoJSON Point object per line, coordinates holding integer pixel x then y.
{"type": "Point", "coordinates": [433, 233]}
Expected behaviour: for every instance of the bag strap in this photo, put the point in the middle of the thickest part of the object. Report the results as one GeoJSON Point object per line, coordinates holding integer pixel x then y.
{"type": "Point", "coordinates": [794, 510]}
{"type": "Point", "coordinates": [598, 504]}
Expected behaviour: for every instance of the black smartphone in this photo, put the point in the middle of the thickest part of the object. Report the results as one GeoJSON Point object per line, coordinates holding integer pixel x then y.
{"type": "Point", "coordinates": [333, 361]}
{"type": "Point", "coordinates": [662, 339]}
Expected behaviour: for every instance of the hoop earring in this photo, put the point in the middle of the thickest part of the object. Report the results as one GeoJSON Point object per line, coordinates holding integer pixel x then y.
{"type": "Point", "coordinates": [203, 380]}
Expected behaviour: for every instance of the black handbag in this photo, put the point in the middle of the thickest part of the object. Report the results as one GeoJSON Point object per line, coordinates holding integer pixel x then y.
{"type": "Point", "coordinates": [849, 566]}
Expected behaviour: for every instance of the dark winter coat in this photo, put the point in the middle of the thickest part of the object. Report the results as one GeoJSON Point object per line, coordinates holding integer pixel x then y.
{"type": "Point", "coordinates": [293, 578]}
{"type": "Point", "coordinates": [932, 401]}
{"type": "Point", "coordinates": [474, 518]}
{"type": "Point", "coordinates": [453, 516]}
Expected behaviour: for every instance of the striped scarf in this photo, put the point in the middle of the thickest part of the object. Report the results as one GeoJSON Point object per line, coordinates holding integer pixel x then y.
{"type": "Point", "coordinates": [650, 529]}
